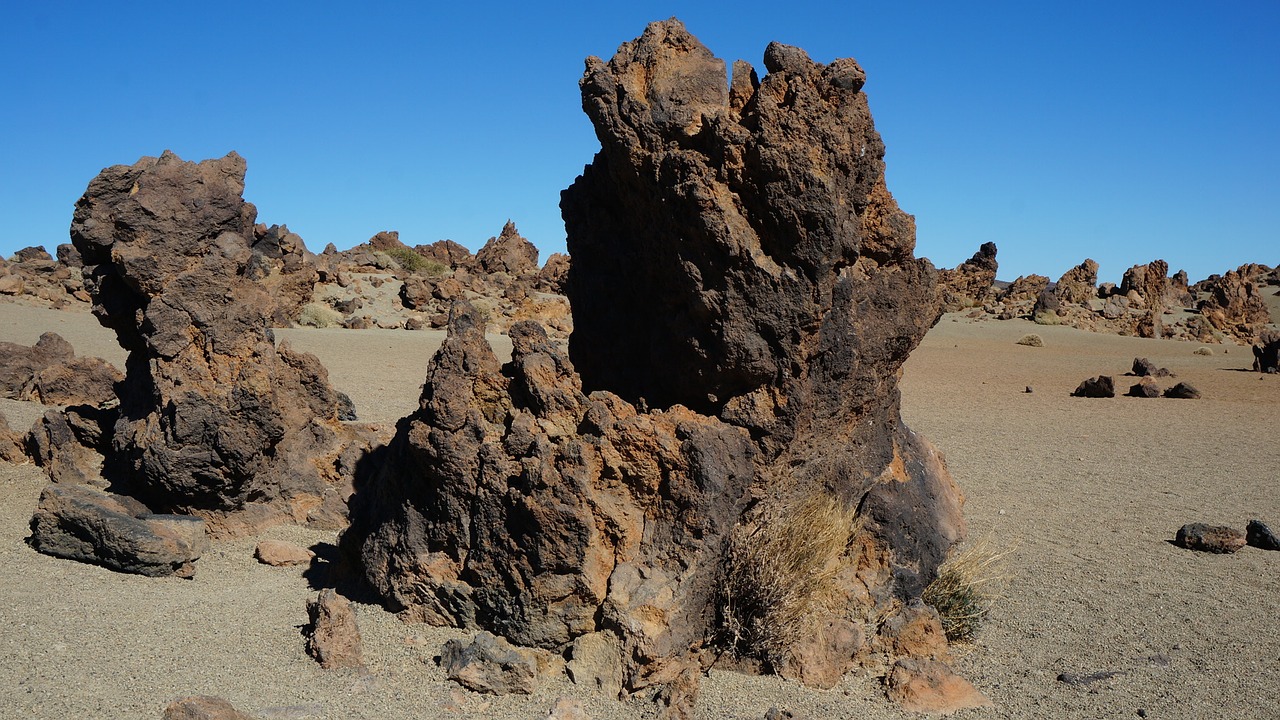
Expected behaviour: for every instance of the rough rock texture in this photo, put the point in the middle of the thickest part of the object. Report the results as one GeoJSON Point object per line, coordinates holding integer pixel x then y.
{"type": "Point", "coordinates": [1079, 284]}
{"type": "Point", "coordinates": [1143, 367]}
{"type": "Point", "coordinates": [552, 276]}
{"type": "Point", "coordinates": [744, 295]}
{"type": "Point", "coordinates": [1266, 352]}
{"type": "Point", "coordinates": [70, 443]}
{"type": "Point", "coordinates": [970, 283]}
{"type": "Point", "coordinates": [203, 707]}
{"type": "Point", "coordinates": [213, 418]}
{"type": "Point", "coordinates": [1183, 391]}
{"type": "Point", "coordinates": [82, 523]}
{"type": "Point", "coordinates": [281, 265]}
{"type": "Point", "coordinates": [333, 638]}
{"type": "Point", "coordinates": [11, 446]}
{"type": "Point", "coordinates": [1235, 305]}
{"type": "Point", "coordinates": [1210, 538]}
{"type": "Point", "coordinates": [509, 253]}
{"type": "Point", "coordinates": [1101, 386]}
{"type": "Point", "coordinates": [929, 686]}
{"type": "Point", "coordinates": [19, 363]}
{"type": "Point", "coordinates": [1025, 288]}
{"type": "Point", "coordinates": [492, 665]}
{"type": "Point", "coordinates": [448, 253]}
{"type": "Point", "coordinates": [1259, 535]}
{"type": "Point", "coordinates": [1144, 388]}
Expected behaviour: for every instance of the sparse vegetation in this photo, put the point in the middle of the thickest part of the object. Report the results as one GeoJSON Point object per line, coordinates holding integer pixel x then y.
{"type": "Point", "coordinates": [779, 573]}
{"type": "Point", "coordinates": [1203, 351]}
{"type": "Point", "coordinates": [1031, 340]}
{"type": "Point", "coordinates": [408, 259]}
{"type": "Point", "coordinates": [319, 315]}
{"type": "Point", "coordinates": [967, 586]}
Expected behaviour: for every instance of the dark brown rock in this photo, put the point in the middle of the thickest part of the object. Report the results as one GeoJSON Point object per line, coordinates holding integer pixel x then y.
{"type": "Point", "coordinates": [70, 443]}
{"type": "Point", "coordinates": [1101, 386]}
{"type": "Point", "coordinates": [281, 265]}
{"type": "Point", "coordinates": [279, 553]}
{"type": "Point", "coordinates": [739, 329]}
{"type": "Point", "coordinates": [80, 381]}
{"type": "Point", "coordinates": [386, 240]}
{"type": "Point", "coordinates": [213, 418]}
{"type": "Point", "coordinates": [1183, 391]}
{"type": "Point", "coordinates": [508, 253]}
{"type": "Point", "coordinates": [1143, 367]}
{"type": "Point", "coordinates": [970, 283]}
{"type": "Point", "coordinates": [552, 276]}
{"type": "Point", "coordinates": [82, 523]}
{"type": "Point", "coordinates": [1150, 282]}
{"type": "Point", "coordinates": [19, 363]}
{"type": "Point", "coordinates": [333, 638]}
{"type": "Point", "coordinates": [1266, 352]}
{"type": "Point", "coordinates": [33, 252]}
{"type": "Point", "coordinates": [1259, 535]}
{"type": "Point", "coordinates": [447, 253]}
{"type": "Point", "coordinates": [1210, 538]}
{"type": "Point", "coordinates": [203, 707]}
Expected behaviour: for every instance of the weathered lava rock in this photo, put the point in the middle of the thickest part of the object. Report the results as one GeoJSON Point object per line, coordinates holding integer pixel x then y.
{"type": "Point", "coordinates": [1266, 352]}
{"type": "Point", "coordinates": [508, 253]}
{"type": "Point", "coordinates": [1100, 386]}
{"type": "Point", "coordinates": [82, 523]}
{"type": "Point", "coordinates": [213, 418]}
{"type": "Point", "coordinates": [1219, 539]}
{"type": "Point", "coordinates": [1079, 284]}
{"type": "Point", "coordinates": [1235, 305]}
{"type": "Point", "coordinates": [744, 294]}
{"type": "Point", "coordinates": [971, 282]}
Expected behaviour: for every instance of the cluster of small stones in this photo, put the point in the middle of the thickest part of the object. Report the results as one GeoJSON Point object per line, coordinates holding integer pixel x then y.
{"type": "Point", "coordinates": [1229, 308]}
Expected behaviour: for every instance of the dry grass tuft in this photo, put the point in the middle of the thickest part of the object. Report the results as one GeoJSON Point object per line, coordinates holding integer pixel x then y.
{"type": "Point", "coordinates": [779, 573]}
{"type": "Point", "coordinates": [967, 587]}
{"type": "Point", "coordinates": [319, 315]}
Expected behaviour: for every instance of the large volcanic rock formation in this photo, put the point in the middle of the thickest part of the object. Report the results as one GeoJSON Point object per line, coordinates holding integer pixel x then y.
{"type": "Point", "coordinates": [970, 283]}
{"type": "Point", "coordinates": [213, 417]}
{"type": "Point", "coordinates": [719, 463]}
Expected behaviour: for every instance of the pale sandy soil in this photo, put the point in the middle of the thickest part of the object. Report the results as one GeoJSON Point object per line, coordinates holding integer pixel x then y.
{"type": "Point", "coordinates": [1083, 493]}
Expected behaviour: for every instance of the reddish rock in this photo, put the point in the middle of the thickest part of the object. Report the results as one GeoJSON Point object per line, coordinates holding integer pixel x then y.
{"type": "Point", "coordinates": [508, 253]}
{"type": "Point", "coordinates": [1235, 305]}
{"type": "Point", "coordinates": [386, 240]}
{"type": "Point", "coordinates": [930, 686]}
{"type": "Point", "coordinates": [739, 331]}
{"type": "Point", "coordinates": [281, 265]}
{"type": "Point", "coordinates": [279, 553]}
{"type": "Point", "coordinates": [333, 638]}
{"type": "Point", "coordinates": [80, 381]}
{"type": "Point", "coordinates": [213, 417]}
{"type": "Point", "coordinates": [10, 443]}
{"type": "Point", "coordinates": [1079, 284]}
{"type": "Point", "coordinates": [1026, 288]}
{"type": "Point", "coordinates": [552, 276]}
{"type": "Point", "coordinates": [970, 283]}
{"type": "Point", "coordinates": [447, 253]}
{"type": "Point", "coordinates": [19, 363]}
{"type": "Point", "coordinates": [1210, 538]}
{"type": "Point", "coordinates": [1150, 282]}
{"type": "Point", "coordinates": [203, 707]}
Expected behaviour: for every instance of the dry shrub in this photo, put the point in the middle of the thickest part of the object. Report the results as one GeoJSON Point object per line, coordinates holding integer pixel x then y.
{"type": "Point", "coordinates": [319, 315]}
{"type": "Point", "coordinates": [1031, 340]}
{"type": "Point", "coordinates": [778, 574]}
{"type": "Point", "coordinates": [968, 585]}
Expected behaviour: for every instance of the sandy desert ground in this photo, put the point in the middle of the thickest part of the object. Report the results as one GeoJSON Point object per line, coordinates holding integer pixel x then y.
{"type": "Point", "coordinates": [1083, 493]}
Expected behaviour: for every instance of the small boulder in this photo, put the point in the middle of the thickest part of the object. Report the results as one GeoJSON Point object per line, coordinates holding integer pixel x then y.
{"type": "Point", "coordinates": [1266, 352]}
{"type": "Point", "coordinates": [1258, 535]}
{"type": "Point", "coordinates": [567, 709]}
{"type": "Point", "coordinates": [333, 638]}
{"type": "Point", "coordinates": [1209, 538]}
{"type": "Point", "coordinates": [79, 381]}
{"type": "Point", "coordinates": [491, 665]}
{"type": "Point", "coordinates": [1145, 388]}
{"type": "Point", "coordinates": [203, 707]}
{"type": "Point", "coordinates": [10, 443]}
{"type": "Point", "coordinates": [1101, 386]}
{"type": "Point", "coordinates": [930, 686]}
{"type": "Point", "coordinates": [82, 523]}
{"type": "Point", "coordinates": [1183, 391]}
{"type": "Point", "coordinates": [596, 662]}
{"type": "Point", "coordinates": [1143, 367]}
{"type": "Point", "coordinates": [279, 553]}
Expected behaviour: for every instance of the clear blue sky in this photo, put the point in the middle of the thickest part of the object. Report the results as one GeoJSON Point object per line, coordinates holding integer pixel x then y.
{"type": "Point", "coordinates": [1119, 131]}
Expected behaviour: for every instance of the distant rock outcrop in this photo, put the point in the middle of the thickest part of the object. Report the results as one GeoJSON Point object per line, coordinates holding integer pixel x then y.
{"type": "Point", "coordinates": [213, 418]}
{"type": "Point", "coordinates": [739, 328]}
{"type": "Point", "coordinates": [970, 283]}
{"type": "Point", "coordinates": [50, 373]}
{"type": "Point", "coordinates": [1079, 284]}
{"type": "Point", "coordinates": [1234, 304]}
{"type": "Point", "coordinates": [508, 253]}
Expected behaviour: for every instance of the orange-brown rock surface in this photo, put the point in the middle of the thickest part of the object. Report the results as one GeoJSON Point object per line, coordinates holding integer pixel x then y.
{"type": "Point", "coordinates": [719, 463]}
{"type": "Point", "coordinates": [970, 283]}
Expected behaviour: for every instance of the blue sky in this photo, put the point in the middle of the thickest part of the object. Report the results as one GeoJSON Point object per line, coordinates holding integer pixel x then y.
{"type": "Point", "coordinates": [1123, 132]}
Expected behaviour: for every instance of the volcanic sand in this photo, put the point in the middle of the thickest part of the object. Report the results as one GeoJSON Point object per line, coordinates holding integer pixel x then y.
{"type": "Point", "coordinates": [1083, 495]}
